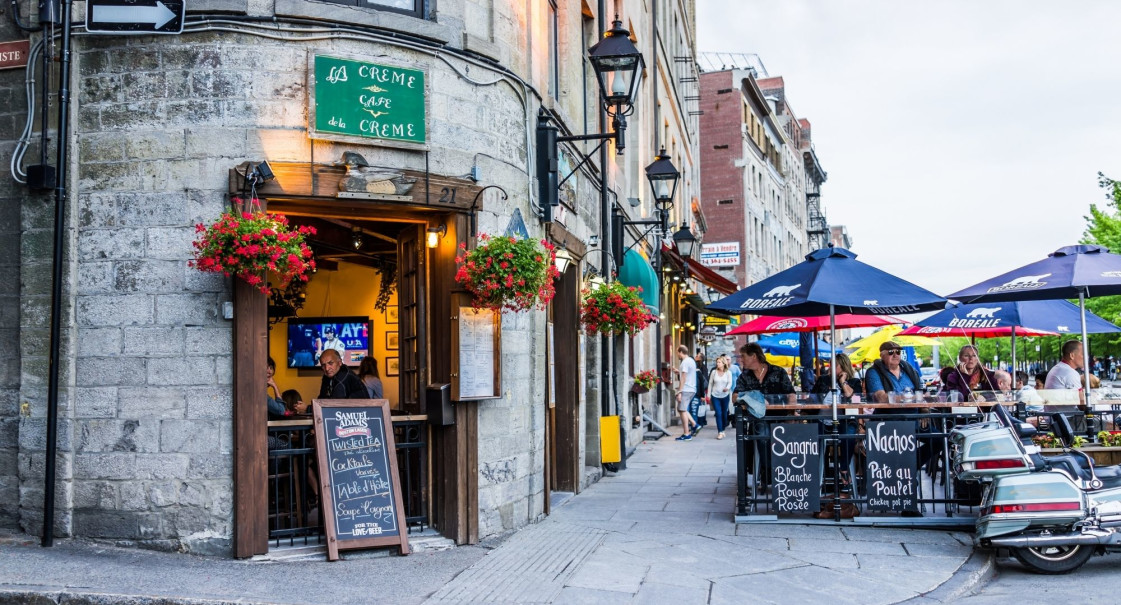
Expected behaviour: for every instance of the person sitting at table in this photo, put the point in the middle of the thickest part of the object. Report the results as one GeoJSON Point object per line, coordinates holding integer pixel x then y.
{"type": "Point", "coordinates": [774, 384]}
{"type": "Point", "coordinates": [969, 377]}
{"type": "Point", "coordinates": [891, 374]}
{"type": "Point", "coordinates": [294, 402]}
{"type": "Point", "coordinates": [368, 374]}
{"type": "Point", "coordinates": [848, 384]}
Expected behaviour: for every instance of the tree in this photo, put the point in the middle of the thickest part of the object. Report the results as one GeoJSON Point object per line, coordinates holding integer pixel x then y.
{"type": "Point", "coordinates": [1103, 227]}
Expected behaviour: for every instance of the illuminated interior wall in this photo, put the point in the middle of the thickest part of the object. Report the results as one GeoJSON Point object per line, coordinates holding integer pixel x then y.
{"type": "Point", "coordinates": [350, 291]}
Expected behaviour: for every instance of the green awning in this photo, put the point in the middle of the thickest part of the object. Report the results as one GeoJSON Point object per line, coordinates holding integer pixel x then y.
{"type": "Point", "coordinates": [635, 271]}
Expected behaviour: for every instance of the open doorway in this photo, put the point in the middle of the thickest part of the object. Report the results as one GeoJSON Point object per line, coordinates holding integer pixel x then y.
{"type": "Point", "coordinates": [366, 301]}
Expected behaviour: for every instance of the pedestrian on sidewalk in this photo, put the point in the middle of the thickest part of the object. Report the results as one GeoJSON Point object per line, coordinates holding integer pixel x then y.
{"type": "Point", "coordinates": [687, 387]}
{"type": "Point", "coordinates": [719, 393]}
{"type": "Point", "coordinates": [699, 413]}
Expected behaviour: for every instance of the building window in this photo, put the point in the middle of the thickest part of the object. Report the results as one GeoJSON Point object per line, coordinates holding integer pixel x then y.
{"type": "Point", "coordinates": [414, 8]}
{"type": "Point", "coordinates": [554, 52]}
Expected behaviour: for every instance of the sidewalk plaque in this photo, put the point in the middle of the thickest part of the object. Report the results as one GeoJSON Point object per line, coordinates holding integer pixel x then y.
{"type": "Point", "coordinates": [13, 55]}
{"type": "Point", "coordinates": [795, 464]}
{"type": "Point", "coordinates": [360, 488]}
{"type": "Point", "coordinates": [892, 466]}
{"type": "Point", "coordinates": [359, 101]}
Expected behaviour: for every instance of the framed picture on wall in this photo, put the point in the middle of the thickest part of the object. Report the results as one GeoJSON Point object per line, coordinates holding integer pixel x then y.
{"type": "Point", "coordinates": [391, 341]}
{"type": "Point", "coordinates": [391, 366]}
{"type": "Point", "coordinates": [391, 314]}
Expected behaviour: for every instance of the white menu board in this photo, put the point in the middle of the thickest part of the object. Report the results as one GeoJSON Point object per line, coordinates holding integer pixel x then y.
{"type": "Point", "coordinates": [478, 334]}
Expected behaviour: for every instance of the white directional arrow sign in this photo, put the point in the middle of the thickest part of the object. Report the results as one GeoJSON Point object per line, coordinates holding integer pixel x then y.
{"type": "Point", "coordinates": [110, 16]}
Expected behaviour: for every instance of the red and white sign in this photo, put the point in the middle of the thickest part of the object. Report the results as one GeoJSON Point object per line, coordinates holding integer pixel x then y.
{"type": "Point", "coordinates": [723, 254]}
{"type": "Point", "coordinates": [13, 55]}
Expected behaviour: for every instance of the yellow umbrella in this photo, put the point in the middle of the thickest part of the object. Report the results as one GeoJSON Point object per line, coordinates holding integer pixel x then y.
{"type": "Point", "coordinates": [785, 361]}
{"type": "Point", "coordinates": [868, 348]}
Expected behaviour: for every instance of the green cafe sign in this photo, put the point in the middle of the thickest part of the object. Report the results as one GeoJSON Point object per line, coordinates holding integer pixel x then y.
{"type": "Point", "coordinates": [353, 98]}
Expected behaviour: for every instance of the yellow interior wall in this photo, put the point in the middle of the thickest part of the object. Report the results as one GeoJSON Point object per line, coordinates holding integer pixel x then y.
{"type": "Point", "coordinates": [349, 291]}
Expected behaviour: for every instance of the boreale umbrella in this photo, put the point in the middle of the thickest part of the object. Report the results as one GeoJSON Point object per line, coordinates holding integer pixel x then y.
{"type": "Point", "coordinates": [828, 282]}
{"type": "Point", "coordinates": [1081, 272]}
{"type": "Point", "coordinates": [1023, 318]}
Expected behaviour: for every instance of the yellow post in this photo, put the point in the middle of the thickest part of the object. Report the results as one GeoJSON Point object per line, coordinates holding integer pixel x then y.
{"type": "Point", "coordinates": [609, 447]}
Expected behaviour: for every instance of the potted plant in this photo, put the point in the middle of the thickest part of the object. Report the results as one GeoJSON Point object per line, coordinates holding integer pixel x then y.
{"type": "Point", "coordinates": [614, 308]}
{"type": "Point", "coordinates": [247, 244]}
{"type": "Point", "coordinates": [644, 381]}
{"type": "Point", "coordinates": [504, 273]}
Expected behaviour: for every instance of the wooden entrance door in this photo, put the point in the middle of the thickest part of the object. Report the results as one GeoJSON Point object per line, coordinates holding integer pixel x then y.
{"type": "Point", "coordinates": [566, 415]}
{"type": "Point", "coordinates": [412, 319]}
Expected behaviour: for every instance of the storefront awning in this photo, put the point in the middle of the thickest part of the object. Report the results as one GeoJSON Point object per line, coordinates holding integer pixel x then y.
{"type": "Point", "coordinates": [698, 304]}
{"type": "Point", "coordinates": [636, 272]}
{"type": "Point", "coordinates": [697, 271]}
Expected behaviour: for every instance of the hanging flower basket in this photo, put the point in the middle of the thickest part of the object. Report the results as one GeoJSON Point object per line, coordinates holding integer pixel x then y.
{"type": "Point", "coordinates": [644, 381]}
{"type": "Point", "coordinates": [503, 273]}
{"type": "Point", "coordinates": [614, 309]}
{"type": "Point", "coordinates": [247, 243]}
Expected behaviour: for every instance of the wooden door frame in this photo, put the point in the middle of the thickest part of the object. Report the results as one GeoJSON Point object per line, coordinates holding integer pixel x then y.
{"type": "Point", "coordinates": [454, 460]}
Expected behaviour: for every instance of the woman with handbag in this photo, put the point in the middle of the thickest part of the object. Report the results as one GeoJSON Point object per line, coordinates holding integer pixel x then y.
{"type": "Point", "coordinates": [720, 392]}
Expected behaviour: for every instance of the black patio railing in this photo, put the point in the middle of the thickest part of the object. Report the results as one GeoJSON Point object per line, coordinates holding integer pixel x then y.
{"type": "Point", "coordinates": [294, 514]}
{"type": "Point", "coordinates": [842, 474]}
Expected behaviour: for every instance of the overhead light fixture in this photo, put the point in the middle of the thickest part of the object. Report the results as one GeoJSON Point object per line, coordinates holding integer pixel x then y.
{"type": "Point", "coordinates": [356, 238]}
{"type": "Point", "coordinates": [435, 234]}
{"type": "Point", "coordinates": [563, 259]}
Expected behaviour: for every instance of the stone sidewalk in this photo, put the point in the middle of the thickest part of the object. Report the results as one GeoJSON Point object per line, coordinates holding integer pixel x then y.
{"type": "Point", "coordinates": [659, 532]}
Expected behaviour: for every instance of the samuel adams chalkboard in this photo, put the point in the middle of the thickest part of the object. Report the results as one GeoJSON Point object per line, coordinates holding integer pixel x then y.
{"type": "Point", "coordinates": [360, 490]}
{"type": "Point", "coordinates": [352, 98]}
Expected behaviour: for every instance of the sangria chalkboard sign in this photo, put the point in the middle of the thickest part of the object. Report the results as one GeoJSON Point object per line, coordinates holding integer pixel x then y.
{"type": "Point", "coordinates": [892, 466]}
{"type": "Point", "coordinates": [795, 468]}
{"type": "Point", "coordinates": [360, 489]}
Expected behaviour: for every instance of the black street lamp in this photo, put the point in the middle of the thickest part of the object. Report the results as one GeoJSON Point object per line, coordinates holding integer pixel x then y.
{"type": "Point", "coordinates": [663, 177]}
{"type": "Point", "coordinates": [617, 62]}
{"type": "Point", "coordinates": [686, 242]}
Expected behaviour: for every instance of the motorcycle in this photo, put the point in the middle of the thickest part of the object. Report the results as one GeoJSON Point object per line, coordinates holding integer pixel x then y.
{"type": "Point", "coordinates": [1052, 513]}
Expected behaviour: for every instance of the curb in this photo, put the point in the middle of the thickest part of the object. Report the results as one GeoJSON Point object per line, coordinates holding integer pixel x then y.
{"type": "Point", "coordinates": [66, 597]}
{"type": "Point", "coordinates": [977, 570]}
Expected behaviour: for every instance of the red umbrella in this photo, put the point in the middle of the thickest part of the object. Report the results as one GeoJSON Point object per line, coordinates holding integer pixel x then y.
{"type": "Point", "coordinates": [999, 332]}
{"type": "Point", "coordinates": [767, 325]}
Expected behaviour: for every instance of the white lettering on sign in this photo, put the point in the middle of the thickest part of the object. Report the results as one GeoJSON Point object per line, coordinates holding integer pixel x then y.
{"type": "Point", "coordinates": [721, 254]}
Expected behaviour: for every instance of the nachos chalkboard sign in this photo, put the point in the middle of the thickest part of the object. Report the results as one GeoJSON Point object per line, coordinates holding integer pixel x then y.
{"type": "Point", "coordinates": [892, 466]}
{"type": "Point", "coordinates": [360, 489]}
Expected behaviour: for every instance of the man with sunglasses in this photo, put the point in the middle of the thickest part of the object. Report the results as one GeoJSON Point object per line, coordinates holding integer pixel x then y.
{"type": "Point", "coordinates": [891, 374]}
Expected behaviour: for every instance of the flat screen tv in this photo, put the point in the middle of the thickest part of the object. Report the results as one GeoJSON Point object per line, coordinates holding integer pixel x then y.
{"type": "Point", "coordinates": [308, 337]}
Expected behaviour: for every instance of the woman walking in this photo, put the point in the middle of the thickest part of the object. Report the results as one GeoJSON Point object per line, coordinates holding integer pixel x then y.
{"type": "Point", "coordinates": [720, 392]}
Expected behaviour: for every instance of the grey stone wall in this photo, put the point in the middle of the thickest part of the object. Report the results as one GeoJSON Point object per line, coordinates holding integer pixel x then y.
{"type": "Point", "coordinates": [13, 109]}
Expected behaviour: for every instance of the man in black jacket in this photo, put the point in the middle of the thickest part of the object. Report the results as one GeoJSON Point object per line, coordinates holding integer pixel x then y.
{"type": "Point", "coordinates": [338, 381]}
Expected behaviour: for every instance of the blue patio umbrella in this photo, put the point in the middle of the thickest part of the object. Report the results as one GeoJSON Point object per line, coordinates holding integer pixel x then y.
{"type": "Point", "coordinates": [1026, 318]}
{"type": "Point", "coordinates": [1070, 272]}
{"type": "Point", "coordinates": [828, 282]}
{"type": "Point", "coordinates": [787, 345]}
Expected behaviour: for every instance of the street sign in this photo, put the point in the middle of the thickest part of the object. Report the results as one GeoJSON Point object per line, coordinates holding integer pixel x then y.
{"type": "Point", "coordinates": [123, 17]}
{"type": "Point", "coordinates": [13, 55]}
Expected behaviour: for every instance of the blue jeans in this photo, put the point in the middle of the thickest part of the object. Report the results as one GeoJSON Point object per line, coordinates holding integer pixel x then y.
{"type": "Point", "coordinates": [693, 405]}
{"type": "Point", "coordinates": [720, 408]}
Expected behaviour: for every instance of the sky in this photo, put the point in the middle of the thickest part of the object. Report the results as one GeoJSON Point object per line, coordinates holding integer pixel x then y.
{"type": "Point", "coordinates": [962, 138]}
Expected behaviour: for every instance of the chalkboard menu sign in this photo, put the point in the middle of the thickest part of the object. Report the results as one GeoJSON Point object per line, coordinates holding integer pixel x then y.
{"type": "Point", "coordinates": [892, 466]}
{"type": "Point", "coordinates": [360, 490]}
{"type": "Point", "coordinates": [795, 468]}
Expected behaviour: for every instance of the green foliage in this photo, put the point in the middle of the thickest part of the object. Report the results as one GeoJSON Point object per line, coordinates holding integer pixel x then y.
{"type": "Point", "coordinates": [1103, 227]}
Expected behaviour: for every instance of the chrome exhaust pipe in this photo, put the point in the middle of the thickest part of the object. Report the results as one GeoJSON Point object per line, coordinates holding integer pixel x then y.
{"type": "Point", "coordinates": [1054, 540]}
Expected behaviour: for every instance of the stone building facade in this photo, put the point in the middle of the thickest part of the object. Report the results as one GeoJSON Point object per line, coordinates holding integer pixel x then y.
{"type": "Point", "coordinates": [150, 403]}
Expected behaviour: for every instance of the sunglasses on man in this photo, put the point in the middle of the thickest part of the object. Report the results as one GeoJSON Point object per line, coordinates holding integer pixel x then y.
{"type": "Point", "coordinates": [894, 351]}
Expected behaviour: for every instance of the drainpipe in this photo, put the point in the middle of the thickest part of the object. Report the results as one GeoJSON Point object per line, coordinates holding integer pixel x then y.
{"type": "Point", "coordinates": [56, 279]}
